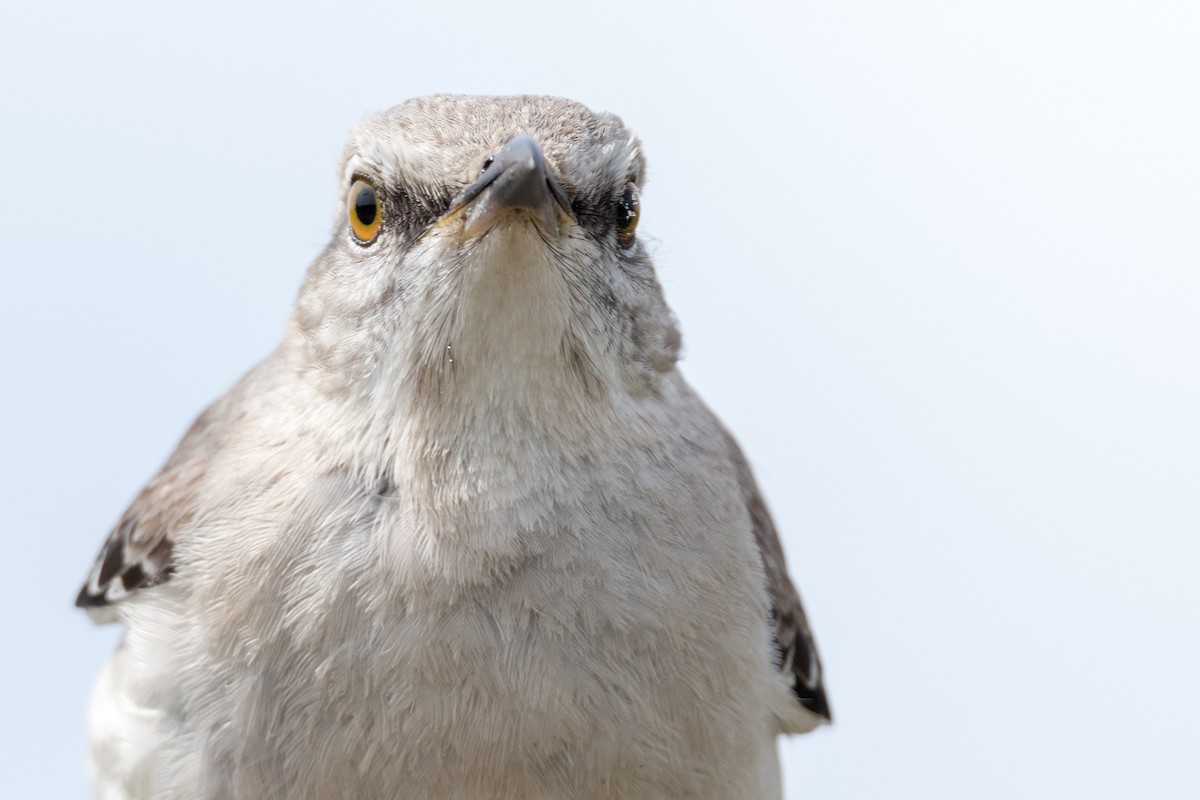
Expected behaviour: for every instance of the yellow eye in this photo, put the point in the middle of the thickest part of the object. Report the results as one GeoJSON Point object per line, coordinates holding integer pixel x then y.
{"type": "Point", "coordinates": [629, 210]}
{"type": "Point", "coordinates": [364, 210]}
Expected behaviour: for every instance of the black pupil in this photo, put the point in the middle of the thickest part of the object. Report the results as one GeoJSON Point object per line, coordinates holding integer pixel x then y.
{"type": "Point", "coordinates": [365, 205]}
{"type": "Point", "coordinates": [486, 163]}
{"type": "Point", "coordinates": [627, 211]}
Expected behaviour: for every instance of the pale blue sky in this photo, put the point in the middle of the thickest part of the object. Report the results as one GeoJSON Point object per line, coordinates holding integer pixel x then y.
{"type": "Point", "coordinates": [937, 264]}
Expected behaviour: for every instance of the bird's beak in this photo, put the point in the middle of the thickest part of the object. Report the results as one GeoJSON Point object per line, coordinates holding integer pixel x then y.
{"type": "Point", "coordinates": [515, 179]}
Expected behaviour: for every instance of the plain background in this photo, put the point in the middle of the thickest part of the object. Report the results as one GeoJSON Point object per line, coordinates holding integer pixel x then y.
{"type": "Point", "coordinates": [937, 265]}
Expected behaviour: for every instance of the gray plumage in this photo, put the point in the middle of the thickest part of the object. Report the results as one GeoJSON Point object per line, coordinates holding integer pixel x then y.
{"type": "Point", "coordinates": [466, 533]}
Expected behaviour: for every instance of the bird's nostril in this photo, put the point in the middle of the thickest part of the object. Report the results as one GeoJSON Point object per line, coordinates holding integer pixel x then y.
{"type": "Point", "coordinates": [487, 162]}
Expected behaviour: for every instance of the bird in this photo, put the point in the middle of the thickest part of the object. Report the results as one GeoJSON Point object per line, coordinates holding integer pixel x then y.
{"type": "Point", "coordinates": [467, 532]}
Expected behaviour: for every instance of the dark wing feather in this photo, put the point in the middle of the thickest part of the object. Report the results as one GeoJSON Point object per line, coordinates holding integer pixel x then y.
{"type": "Point", "coordinates": [797, 650]}
{"type": "Point", "coordinates": [139, 551]}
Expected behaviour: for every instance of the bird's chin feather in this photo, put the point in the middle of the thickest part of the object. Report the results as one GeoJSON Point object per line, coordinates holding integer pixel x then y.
{"type": "Point", "coordinates": [507, 324]}
{"type": "Point", "coordinates": [515, 304]}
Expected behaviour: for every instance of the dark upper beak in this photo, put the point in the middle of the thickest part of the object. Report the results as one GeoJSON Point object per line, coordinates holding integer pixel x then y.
{"type": "Point", "coordinates": [515, 178]}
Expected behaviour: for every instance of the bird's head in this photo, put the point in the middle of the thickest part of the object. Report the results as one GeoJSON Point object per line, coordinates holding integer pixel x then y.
{"type": "Point", "coordinates": [487, 247]}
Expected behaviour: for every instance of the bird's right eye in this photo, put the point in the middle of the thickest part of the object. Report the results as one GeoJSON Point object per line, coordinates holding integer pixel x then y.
{"type": "Point", "coordinates": [364, 211]}
{"type": "Point", "coordinates": [629, 211]}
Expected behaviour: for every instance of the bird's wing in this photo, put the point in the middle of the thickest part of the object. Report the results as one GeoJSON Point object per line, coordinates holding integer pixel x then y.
{"type": "Point", "coordinates": [139, 551]}
{"type": "Point", "coordinates": [796, 655]}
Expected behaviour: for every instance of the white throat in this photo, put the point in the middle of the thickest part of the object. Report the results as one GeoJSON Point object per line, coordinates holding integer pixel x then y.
{"type": "Point", "coordinates": [514, 310]}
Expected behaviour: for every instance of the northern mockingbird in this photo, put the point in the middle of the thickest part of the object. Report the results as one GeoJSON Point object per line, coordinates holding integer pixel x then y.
{"type": "Point", "coordinates": [467, 533]}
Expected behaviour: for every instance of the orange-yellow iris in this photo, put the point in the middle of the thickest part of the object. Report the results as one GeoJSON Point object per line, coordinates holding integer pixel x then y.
{"type": "Point", "coordinates": [365, 213]}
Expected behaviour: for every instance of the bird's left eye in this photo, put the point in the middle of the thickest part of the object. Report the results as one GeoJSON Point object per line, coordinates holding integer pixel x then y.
{"type": "Point", "coordinates": [364, 211]}
{"type": "Point", "coordinates": [629, 210]}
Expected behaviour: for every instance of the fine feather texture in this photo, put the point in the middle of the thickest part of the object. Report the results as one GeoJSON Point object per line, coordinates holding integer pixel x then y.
{"type": "Point", "coordinates": [467, 533]}
{"type": "Point", "coordinates": [139, 551]}
{"type": "Point", "coordinates": [793, 637]}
